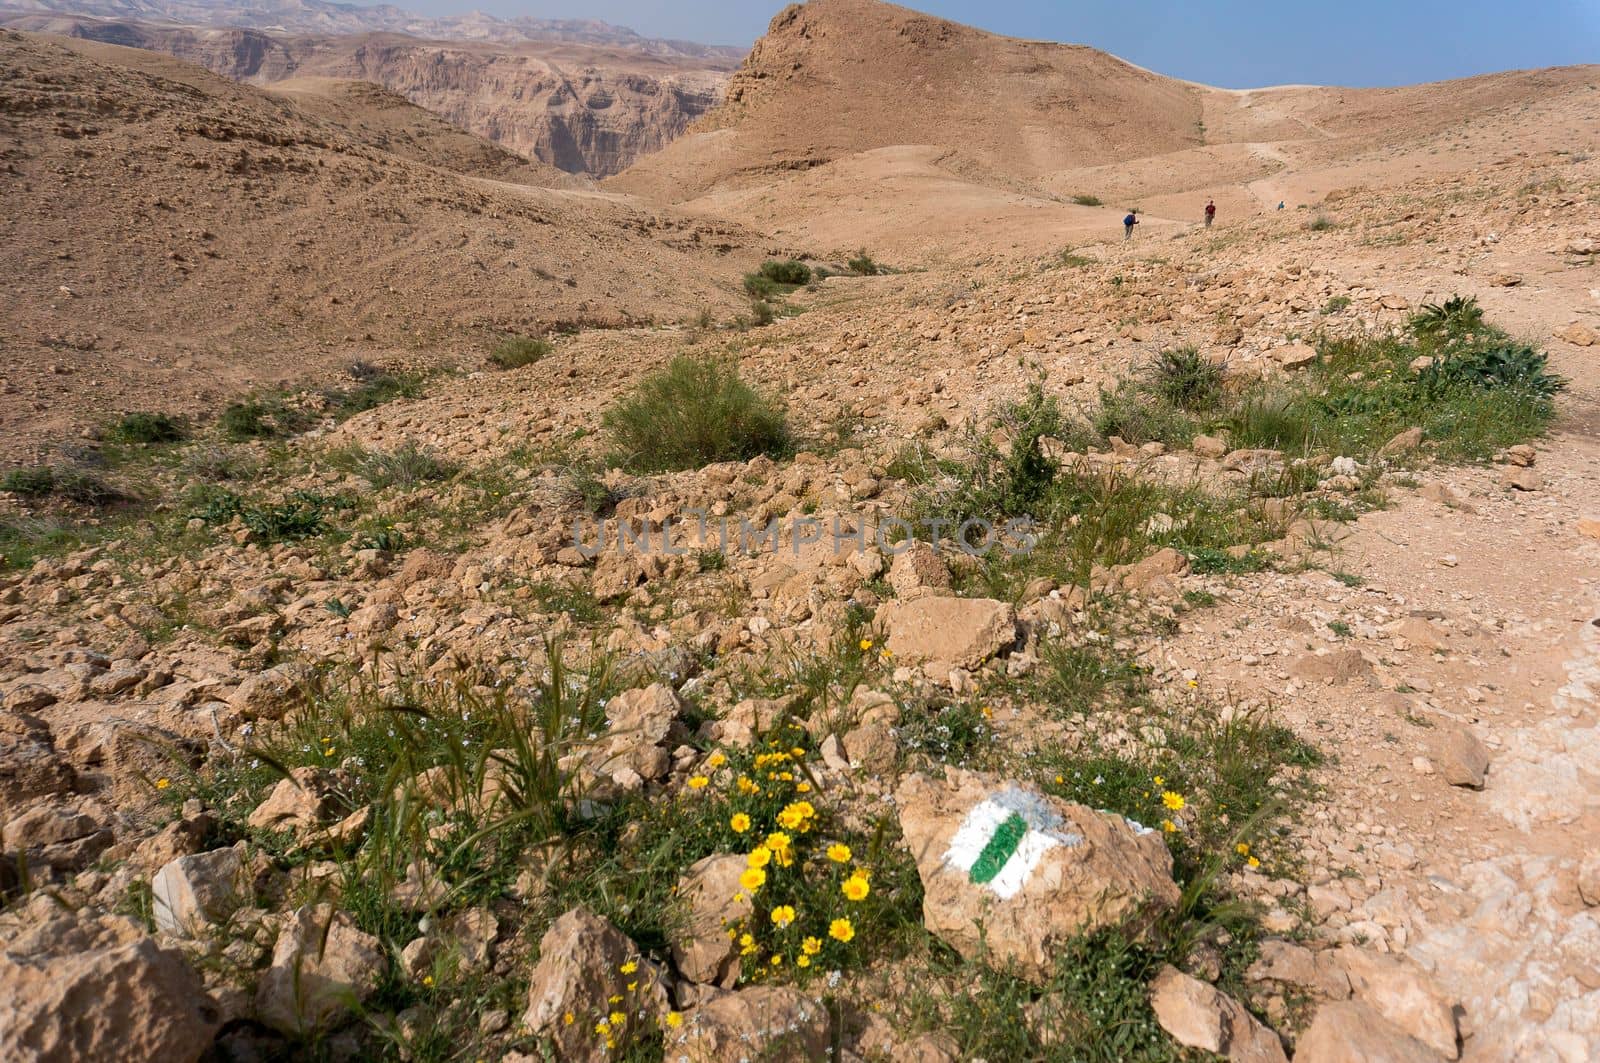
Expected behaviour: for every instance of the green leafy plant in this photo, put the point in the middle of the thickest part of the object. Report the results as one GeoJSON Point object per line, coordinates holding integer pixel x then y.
{"type": "Point", "coordinates": [694, 412]}
{"type": "Point", "coordinates": [149, 428]}
{"type": "Point", "coordinates": [1185, 378]}
{"type": "Point", "coordinates": [514, 352]}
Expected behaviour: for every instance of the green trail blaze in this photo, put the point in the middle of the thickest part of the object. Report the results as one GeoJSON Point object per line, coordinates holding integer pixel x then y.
{"type": "Point", "coordinates": [994, 856]}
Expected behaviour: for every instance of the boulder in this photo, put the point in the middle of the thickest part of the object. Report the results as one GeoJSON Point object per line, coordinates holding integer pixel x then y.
{"type": "Point", "coordinates": [1579, 335]}
{"type": "Point", "coordinates": [580, 966]}
{"type": "Point", "coordinates": [1156, 574]}
{"type": "Point", "coordinates": [1589, 880]}
{"type": "Point", "coordinates": [1296, 355]}
{"type": "Point", "coordinates": [30, 767]}
{"type": "Point", "coordinates": [955, 632]}
{"type": "Point", "coordinates": [270, 695]}
{"type": "Point", "coordinates": [322, 965]}
{"type": "Point", "coordinates": [1010, 875]}
{"type": "Point", "coordinates": [1297, 966]}
{"type": "Point", "coordinates": [1521, 479]}
{"type": "Point", "coordinates": [1405, 995]}
{"type": "Point", "coordinates": [1334, 666]}
{"type": "Point", "coordinates": [1348, 1031]}
{"type": "Point", "coordinates": [1199, 1016]}
{"type": "Point", "coordinates": [918, 571]}
{"type": "Point", "coordinates": [195, 893]}
{"type": "Point", "coordinates": [774, 1024]}
{"type": "Point", "coordinates": [1458, 755]}
{"type": "Point", "coordinates": [308, 798]}
{"type": "Point", "coordinates": [1209, 446]}
{"type": "Point", "coordinates": [1403, 443]}
{"type": "Point", "coordinates": [82, 987]}
{"type": "Point", "coordinates": [702, 950]}
{"type": "Point", "coordinates": [64, 835]}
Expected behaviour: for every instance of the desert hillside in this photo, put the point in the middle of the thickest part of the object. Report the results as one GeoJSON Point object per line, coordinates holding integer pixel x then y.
{"type": "Point", "coordinates": [826, 594]}
{"type": "Point", "coordinates": [221, 237]}
{"type": "Point", "coordinates": [588, 102]}
{"type": "Point", "coordinates": [858, 123]}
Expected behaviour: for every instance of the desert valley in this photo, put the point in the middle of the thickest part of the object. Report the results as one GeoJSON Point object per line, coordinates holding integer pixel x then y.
{"type": "Point", "coordinates": [523, 541]}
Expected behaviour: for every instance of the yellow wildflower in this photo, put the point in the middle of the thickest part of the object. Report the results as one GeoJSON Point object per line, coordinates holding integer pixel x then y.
{"type": "Point", "coordinates": [1160, 781]}
{"type": "Point", "coordinates": [839, 853]}
{"type": "Point", "coordinates": [1173, 801]}
{"type": "Point", "coordinates": [717, 759]}
{"type": "Point", "coordinates": [811, 946]}
{"type": "Point", "coordinates": [740, 822]}
{"type": "Point", "coordinates": [699, 782]}
{"type": "Point", "coordinates": [760, 856]}
{"type": "Point", "coordinates": [1169, 826]}
{"type": "Point", "coordinates": [778, 841]}
{"type": "Point", "coordinates": [777, 961]}
{"type": "Point", "coordinates": [753, 879]}
{"type": "Point", "coordinates": [855, 887]}
{"type": "Point", "coordinates": [1253, 862]}
{"type": "Point", "coordinates": [802, 961]}
{"type": "Point", "coordinates": [1243, 848]}
{"type": "Point", "coordinates": [674, 1019]}
{"type": "Point", "coordinates": [782, 916]}
{"type": "Point", "coordinates": [617, 1018]}
{"type": "Point", "coordinates": [568, 1019]}
{"type": "Point", "coordinates": [841, 930]}
{"type": "Point", "coordinates": [866, 644]}
{"type": "Point", "coordinates": [629, 967]}
{"type": "Point", "coordinates": [162, 784]}
{"type": "Point", "coordinates": [428, 981]}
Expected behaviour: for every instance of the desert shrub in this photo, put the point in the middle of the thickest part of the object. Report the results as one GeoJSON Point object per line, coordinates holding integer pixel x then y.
{"type": "Point", "coordinates": [1321, 223]}
{"type": "Point", "coordinates": [761, 313]}
{"type": "Point", "coordinates": [1186, 379]}
{"type": "Point", "coordinates": [1085, 200]}
{"type": "Point", "coordinates": [407, 467]}
{"type": "Point", "coordinates": [1135, 416]}
{"type": "Point", "coordinates": [694, 412]}
{"type": "Point", "coordinates": [513, 352]}
{"type": "Point", "coordinates": [789, 271]}
{"type": "Point", "coordinates": [247, 420]}
{"type": "Point", "coordinates": [35, 482]}
{"type": "Point", "coordinates": [73, 485]}
{"type": "Point", "coordinates": [760, 288]}
{"type": "Point", "coordinates": [1457, 318]}
{"type": "Point", "coordinates": [1513, 368]}
{"type": "Point", "coordinates": [863, 265]}
{"type": "Point", "coordinates": [376, 389]}
{"type": "Point", "coordinates": [1272, 419]}
{"type": "Point", "coordinates": [149, 428]}
{"type": "Point", "coordinates": [1336, 304]}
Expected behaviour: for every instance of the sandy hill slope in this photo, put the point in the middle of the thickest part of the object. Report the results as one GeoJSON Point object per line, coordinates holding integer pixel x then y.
{"type": "Point", "coordinates": [169, 233]}
{"type": "Point", "coordinates": [585, 101]}
{"type": "Point", "coordinates": [860, 123]}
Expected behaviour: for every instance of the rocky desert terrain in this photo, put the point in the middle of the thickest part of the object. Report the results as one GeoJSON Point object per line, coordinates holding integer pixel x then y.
{"type": "Point", "coordinates": [586, 97]}
{"type": "Point", "coordinates": [823, 593]}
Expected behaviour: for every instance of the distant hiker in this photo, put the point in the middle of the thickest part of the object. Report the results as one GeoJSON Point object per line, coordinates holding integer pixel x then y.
{"type": "Point", "coordinates": [1211, 212]}
{"type": "Point", "coordinates": [1127, 225]}
{"type": "Point", "coordinates": [1280, 204]}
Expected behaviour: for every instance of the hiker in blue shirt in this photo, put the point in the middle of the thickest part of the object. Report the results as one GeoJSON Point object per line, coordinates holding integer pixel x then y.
{"type": "Point", "coordinates": [1127, 225]}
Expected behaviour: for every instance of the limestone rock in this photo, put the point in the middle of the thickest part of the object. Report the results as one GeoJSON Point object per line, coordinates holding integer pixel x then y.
{"type": "Point", "coordinates": [1405, 995]}
{"type": "Point", "coordinates": [1011, 875]}
{"type": "Point", "coordinates": [80, 987]}
{"type": "Point", "coordinates": [1209, 446]}
{"type": "Point", "coordinates": [957, 632]}
{"type": "Point", "coordinates": [1589, 880]}
{"type": "Point", "coordinates": [1403, 443]}
{"type": "Point", "coordinates": [774, 1024]}
{"type": "Point", "coordinates": [1296, 965]}
{"type": "Point", "coordinates": [321, 964]}
{"type": "Point", "coordinates": [194, 893]}
{"type": "Point", "coordinates": [1520, 479]}
{"type": "Point", "coordinates": [1579, 335]}
{"type": "Point", "coordinates": [308, 798]}
{"type": "Point", "coordinates": [1459, 756]}
{"type": "Point", "coordinates": [1199, 1016]}
{"type": "Point", "coordinates": [918, 571]}
{"type": "Point", "coordinates": [270, 695]}
{"type": "Point", "coordinates": [579, 970]}
{"type": "Point", "coordinates": [1335, 666]}
{"type": "Point", "coordinates": [65, 835]}
{"type": "Point", "coordinates": [703, 951]}
{"type": "Point", "coordinates": [1295, 356]}
{"type": "Point", "coordinates": [1348, 1031]}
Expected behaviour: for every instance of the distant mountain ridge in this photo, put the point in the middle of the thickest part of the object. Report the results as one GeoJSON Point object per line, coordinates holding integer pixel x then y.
{"type": "Point", "coordinates": [584, 96]}
{"type": "Point", "coordinates": [323, 17]}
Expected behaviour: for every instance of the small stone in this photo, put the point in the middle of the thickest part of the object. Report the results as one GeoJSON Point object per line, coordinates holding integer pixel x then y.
{"type": "Point", "coordinates": [1199, 1016]}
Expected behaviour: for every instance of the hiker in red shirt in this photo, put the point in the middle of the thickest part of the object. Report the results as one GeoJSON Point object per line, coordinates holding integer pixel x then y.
{"type": "Point", "coordinates": [1211, 212]}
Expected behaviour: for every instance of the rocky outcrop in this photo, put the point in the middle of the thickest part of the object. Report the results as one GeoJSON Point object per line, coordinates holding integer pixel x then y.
{"type": "Point", "coordinates": [1010, 875]}
{"type": "Point", "coordinates": [78, 987]}
{"type": "Point", "coordinates": [585, 112]}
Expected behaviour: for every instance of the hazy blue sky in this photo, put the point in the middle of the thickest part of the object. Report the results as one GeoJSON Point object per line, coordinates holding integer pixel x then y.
{"type": "Point", "coordinates": [1234, 43]}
